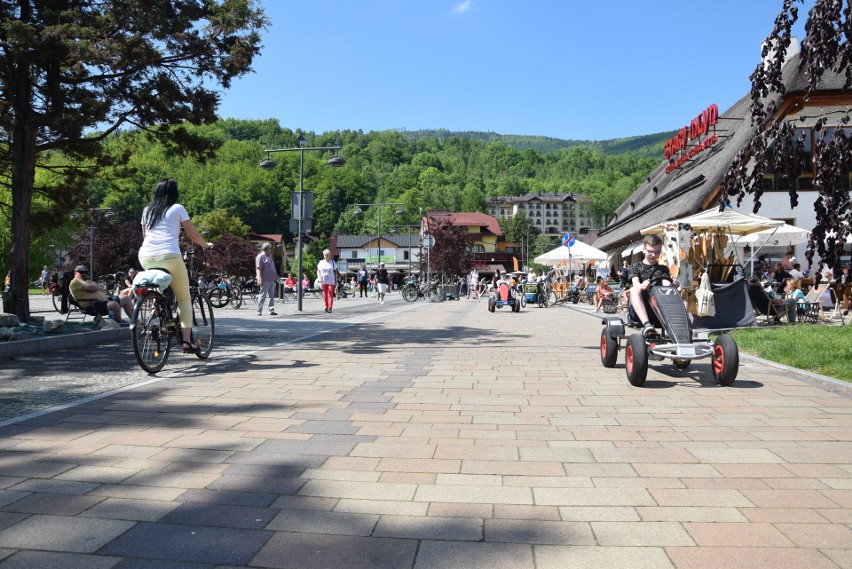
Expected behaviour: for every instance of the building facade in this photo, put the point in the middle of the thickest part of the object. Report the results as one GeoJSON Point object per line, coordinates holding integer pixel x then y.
{"type": "Point", "coordinates": [689, 180]}
{"type": "Point", "coordinates": [553, 214]}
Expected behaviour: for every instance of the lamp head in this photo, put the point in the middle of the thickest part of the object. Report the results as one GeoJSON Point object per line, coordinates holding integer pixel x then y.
{"type": "Point", "coordinates": [268, 163]}
{"type": "Point", "coordinates": [336, 161]}
{"type": "Point", "coordinates": [358, 212]}
{"type": "Point", "coordinates": [301, 141]}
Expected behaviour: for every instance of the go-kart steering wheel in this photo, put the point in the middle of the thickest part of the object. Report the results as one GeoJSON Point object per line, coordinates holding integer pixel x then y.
{"type": "Point", "coordinates": [658, 280]}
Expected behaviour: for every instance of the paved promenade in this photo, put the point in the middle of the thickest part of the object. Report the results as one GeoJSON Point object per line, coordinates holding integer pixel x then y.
{"type": "Point", "coordinates": [434, 436]}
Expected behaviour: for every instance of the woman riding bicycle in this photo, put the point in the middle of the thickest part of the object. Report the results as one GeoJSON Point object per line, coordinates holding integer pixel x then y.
{"type": "Point", "coordinates": [162, 221]}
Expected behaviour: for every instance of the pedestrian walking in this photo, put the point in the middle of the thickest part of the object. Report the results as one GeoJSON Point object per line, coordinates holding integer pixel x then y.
{"type": "Point", "coordinates": [362, 282]}
{"type": "Point", "coordinates": [267, 276]}
{"type": "Point", "coordinates": [382, 281]}
{"type": "Point", "coordinates": [327, 277]}
{"type": "Point", "coordinates": [45, 281]}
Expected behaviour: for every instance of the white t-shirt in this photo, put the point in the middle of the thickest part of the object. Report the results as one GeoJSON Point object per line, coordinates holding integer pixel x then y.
{"type": "Point", "coordinates": [326, 272]}
{"type": "Point", "coordinates": [162, 239]}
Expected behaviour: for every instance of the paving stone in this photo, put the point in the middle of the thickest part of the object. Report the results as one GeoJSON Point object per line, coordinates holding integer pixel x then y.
{"type": "Point", "coordinates": [579, 557]}
{"type": "Point", "coordinates": [220, 515]}
{"type": "Point", "coordinates": [315, 521]}
{"type": "Point", "coordinates": [432, 527]}
{"type": "Point", "coordinates": [62, 533]}
{"type": "Point", "coordinates": [188, 543]}
{"type": "Point", "coordinates": [461, 555]}
{"type": "Point", "coordinates": [305, 550]}
{"type": "Point", "coordinates": [51, 560]}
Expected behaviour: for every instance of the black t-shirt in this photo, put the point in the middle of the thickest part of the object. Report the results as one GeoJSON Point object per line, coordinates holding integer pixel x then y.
{"type": "Point", "coordinates": [647, 272]}
{"type": "Point", "coordinates": [382, 276]}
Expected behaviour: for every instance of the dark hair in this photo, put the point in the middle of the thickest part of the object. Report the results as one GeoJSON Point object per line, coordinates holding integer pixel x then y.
{"type": "Point", "coordinates": [165, 196]}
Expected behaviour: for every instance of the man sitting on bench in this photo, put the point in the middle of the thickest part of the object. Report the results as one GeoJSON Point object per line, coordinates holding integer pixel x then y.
{"type": "Point", "coordinates": [641, 274]}
{"type": "Point", "coordinates": [91, 297]}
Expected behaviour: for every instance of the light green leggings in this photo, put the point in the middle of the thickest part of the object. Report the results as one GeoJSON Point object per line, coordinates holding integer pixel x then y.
{"type": "Point", "coordinates": [180, 282]}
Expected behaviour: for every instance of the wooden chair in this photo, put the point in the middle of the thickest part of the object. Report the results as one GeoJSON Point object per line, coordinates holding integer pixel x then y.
{"type": "Point", "coordinates": [763, 306]}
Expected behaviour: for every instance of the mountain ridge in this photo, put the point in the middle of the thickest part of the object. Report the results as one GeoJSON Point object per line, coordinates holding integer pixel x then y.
{"type": "Point", "coordinates": [649, 145]}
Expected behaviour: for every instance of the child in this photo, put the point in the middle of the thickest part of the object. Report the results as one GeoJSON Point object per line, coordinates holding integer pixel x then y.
{"type": "Point", "coordinates": [641, 274]}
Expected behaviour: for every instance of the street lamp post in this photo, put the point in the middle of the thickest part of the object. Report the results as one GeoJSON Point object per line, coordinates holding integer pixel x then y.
{"type": "Point", "coordinates": [107, 213]}
{"type": "Point", "coordinates": [302, 216]}
{"type": "Point", "coordinates": [408, 228]}
{"type": "Point", "coordinates": [359, 212]}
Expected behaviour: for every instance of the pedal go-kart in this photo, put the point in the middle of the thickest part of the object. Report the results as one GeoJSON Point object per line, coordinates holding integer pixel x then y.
{"type": "Point", "coordinates": [503, 297]}
{"type": "Point", "coordinates": [674, 340]}
{"type": "Point", "coordinates": [533, 294]}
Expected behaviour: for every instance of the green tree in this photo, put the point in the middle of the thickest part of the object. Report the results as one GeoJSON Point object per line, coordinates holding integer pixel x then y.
{"type": "Point", "coordinates": [218, 222]}
{"type": "Point", "coordinates": [72, 66]}
{"type": "Point", "coordinates": [519, 229]}
{"type": "Point", "coordinates": [825, 50]}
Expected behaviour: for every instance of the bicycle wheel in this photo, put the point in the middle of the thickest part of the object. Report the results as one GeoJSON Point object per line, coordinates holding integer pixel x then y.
{"type": "Point", "coordinates": [203, 325]}
{"type": "Point", "coordinates": [57, 300]}
{"type": "Point", "coordinates": [151, 339]}
{"type": "Point", "coordinates": [218, 297]}
{"type": "Point", "coordinates": [236, 297]}
{"type": "Point", "coordinates": [409, 294]}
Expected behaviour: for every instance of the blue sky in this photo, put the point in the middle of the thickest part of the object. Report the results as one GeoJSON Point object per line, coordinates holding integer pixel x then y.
{"type": "Point", "coordinates": [573, 69]}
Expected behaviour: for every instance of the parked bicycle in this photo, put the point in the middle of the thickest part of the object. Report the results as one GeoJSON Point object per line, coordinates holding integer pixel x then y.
{"type": "Point", "coordinates": [155, 324]}
{"type": "Point", "coordinates": [413, 291]}
{"type": "Point", "coordinates": [222, 292]}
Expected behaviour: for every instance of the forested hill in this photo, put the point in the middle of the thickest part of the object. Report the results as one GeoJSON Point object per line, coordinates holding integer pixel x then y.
{"type": "Point", "coordinates": [646, 146]}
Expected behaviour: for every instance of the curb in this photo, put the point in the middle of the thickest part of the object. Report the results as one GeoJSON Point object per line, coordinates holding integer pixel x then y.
{"type": "Point", "coordinates": [809, 375]}
{"type": "Point", "coordinates": [18, 348]}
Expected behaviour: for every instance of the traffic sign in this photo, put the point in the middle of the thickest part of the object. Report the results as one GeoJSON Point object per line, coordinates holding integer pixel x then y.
{"type": "Point", "coordinates": [568, 240]}
{"type": "Point", "coordinates": [428, 241]}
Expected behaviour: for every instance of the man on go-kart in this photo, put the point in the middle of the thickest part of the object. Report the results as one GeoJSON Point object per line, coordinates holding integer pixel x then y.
{"type": "Point", "coordinates": [642, 274]}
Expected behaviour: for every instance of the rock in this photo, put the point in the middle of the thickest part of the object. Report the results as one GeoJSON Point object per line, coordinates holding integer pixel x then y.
{"type": "Point", "coordinates": [108, 324]}
{"type": "Point", "coordinates": [19, 336]}
{"type": "Point", "coordinates": [53, 326]}
{"type": "Point", "coordinates": [6, 332]}
{"type": "Point", "coordinates": [37, 320]}
{"type": "Point", "coordinates": [9, 320]}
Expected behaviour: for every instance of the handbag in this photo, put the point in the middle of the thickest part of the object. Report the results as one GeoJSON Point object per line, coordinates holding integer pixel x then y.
{"type": "Point", "coordinates": [706, 306]}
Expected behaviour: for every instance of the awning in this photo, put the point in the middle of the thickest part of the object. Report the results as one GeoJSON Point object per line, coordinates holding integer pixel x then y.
{"type": "Point", "coordinates": [633, 248]}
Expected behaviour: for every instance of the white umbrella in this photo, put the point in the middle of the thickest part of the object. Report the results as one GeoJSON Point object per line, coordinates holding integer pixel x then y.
{"type": "Point", "coordinates": [735, 222]}
{"type": "Point", "coordinates": [778, 236]}
{"type": "Point", "coordinates": [784, 235]}
{"type": "Point", "coordinates": [578, 252]}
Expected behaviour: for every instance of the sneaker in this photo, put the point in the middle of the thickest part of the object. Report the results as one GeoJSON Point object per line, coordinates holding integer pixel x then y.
{"type": "Point", "coordinates": [273, 313]}
{"type": "Point", "coordinates": [648, 330]}
{"type": "Point", "coordinates": [260, 313]}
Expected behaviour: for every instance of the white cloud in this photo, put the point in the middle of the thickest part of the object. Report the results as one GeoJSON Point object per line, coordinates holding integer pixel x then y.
{"type": "Point", "coordinates": [463, 7]}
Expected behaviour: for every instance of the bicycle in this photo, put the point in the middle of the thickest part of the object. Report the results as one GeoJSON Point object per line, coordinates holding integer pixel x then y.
{"type": "Point", "coordinates": [155, 325]}
{"type": "Point", "coordinates": [412, 291]}
{"type": "Point", "coordinates": [222, 292]}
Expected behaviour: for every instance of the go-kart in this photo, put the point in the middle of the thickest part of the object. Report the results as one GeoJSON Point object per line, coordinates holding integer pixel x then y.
{"type": "Point", "coordinates": [674, 339]}
{"type": "Point", "coordinates": [533, 294]}
{"type": "Point", "coordinates": [503, 297]}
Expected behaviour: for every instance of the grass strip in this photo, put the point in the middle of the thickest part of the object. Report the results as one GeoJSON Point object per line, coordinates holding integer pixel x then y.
{"type": "Point", "coordinates": [826, 350]}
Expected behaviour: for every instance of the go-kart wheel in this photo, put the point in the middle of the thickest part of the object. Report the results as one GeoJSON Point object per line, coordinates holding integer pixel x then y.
{"type": "Point", "coordinates": [725, 360]}
{"type": "Point", "coordinates": [636, 360]}
{"type": "Point", "coordinates": [682, 364]}
{"type": "Point", "coordinates": [491, 305]}
{"type": "Point", "coordinates": [609, 349]}
{"type": "Point", "coordinates": [516, 307]}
